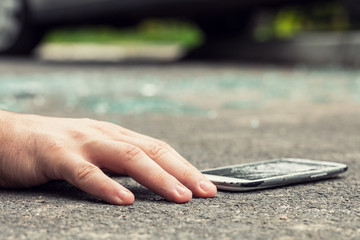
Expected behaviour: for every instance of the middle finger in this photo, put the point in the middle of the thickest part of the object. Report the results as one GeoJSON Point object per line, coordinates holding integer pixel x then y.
{"type": "Point", "coordinates": [165, 156]}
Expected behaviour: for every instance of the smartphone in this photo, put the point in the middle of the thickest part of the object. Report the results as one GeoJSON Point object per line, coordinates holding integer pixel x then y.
{"type": "Point", "coordinates": [272, 173]}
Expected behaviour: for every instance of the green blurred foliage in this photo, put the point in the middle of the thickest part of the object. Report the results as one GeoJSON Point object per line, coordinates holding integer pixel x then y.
{"type": "Point", "coordinates": [280, 23]}
{"type": "Point", "coordinates": [149, 31]}
{"type": "Point", "coordinates": [288, 21]}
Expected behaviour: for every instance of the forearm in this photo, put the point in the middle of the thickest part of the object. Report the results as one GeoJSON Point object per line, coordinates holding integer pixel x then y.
{"type": "Point", "coordinates": [17, 152]}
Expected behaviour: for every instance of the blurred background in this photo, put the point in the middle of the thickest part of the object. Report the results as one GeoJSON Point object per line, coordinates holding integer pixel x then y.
{"type": "Point", "coordinates": [284, 31]}
{"type": "Point", "coordinates": [222, 81]}
{"type": "Point", "coordinates": [58, 55]}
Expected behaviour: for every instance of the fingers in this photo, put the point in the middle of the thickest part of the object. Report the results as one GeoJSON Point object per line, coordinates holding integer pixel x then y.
{"type": "Point", "coordinates": [149, 161]}
{"type": "Point", "coordinates": [135, 135]}
{"type": "Point", "coordinates": [92, 180]}
{"type": "Point", "coordinates": [120, 157]}
{"type": "Point", "coordinates": [174, 164]}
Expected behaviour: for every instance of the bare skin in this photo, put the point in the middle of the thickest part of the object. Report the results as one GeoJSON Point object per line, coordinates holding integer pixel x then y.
{"type": "Point", "coordinates": [36, 149]}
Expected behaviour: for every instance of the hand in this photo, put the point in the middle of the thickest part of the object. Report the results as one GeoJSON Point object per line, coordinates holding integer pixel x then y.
{"type": "Point", "coordinates": [35, 149]}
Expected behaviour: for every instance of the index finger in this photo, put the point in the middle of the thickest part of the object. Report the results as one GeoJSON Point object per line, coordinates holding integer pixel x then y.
{"type": "Point", "coordinates": [124, 157]}
{"type": "Point", "coordinates": [168, 159]}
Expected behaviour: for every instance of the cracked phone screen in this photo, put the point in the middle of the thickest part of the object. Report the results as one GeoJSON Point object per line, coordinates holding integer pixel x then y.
{"type": "Point", "coordinates": [266, 169]}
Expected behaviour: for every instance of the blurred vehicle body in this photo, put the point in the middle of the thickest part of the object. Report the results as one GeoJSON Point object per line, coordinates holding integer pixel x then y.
{"type": "Point", "coordinates": [24, 22]}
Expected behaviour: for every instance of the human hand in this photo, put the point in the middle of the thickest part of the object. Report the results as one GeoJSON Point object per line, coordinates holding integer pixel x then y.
{"type": "Point", "coordinates": [36, 149]}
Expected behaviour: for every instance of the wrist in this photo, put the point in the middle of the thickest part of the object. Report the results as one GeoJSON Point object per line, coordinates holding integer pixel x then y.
{"type": "Point", "coordinates": [16, 150]}
{"type": "Point", "coordinates": [6, 120]}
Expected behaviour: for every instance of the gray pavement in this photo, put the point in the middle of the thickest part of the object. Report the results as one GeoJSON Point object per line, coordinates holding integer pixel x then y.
{"type": "Point", "coordinates": [214, 115]}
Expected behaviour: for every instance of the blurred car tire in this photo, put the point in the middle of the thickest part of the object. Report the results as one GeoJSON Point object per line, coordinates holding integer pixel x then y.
{"type": "Point", "coordinates": [17, 34]}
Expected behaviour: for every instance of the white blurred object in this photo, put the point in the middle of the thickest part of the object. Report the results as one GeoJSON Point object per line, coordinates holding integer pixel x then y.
{"type": "Point", "coordinates": [115, 53]}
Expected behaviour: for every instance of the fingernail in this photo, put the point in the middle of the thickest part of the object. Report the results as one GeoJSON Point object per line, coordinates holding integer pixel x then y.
{"type": "Point", "coordinates": [123, 196]}
{"type": "Point", "coordinates": [180, 190]}
{"type": "Point", "coordinates": [206, 186]}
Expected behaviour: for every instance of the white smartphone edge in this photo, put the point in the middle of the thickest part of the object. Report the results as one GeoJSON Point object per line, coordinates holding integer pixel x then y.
{"type": "Point", "coordinates": [236, 184]}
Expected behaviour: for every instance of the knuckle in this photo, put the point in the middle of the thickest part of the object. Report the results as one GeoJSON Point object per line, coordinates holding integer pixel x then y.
{"type": "Point", "coordinates": [86, 171]}
{"type": "Point", "coordinates": [164, 145]}
{"type": "Point", "coordinates": [102, 129]}
{"type": "Point", "coordinates": [160, 178]}
{"type": "Point", "coordinates": [157, 150]}
{"type": "Point", "coordinates": [186, 174]}
{"type": "Point", "coordinates": [55, 145]}
{"type": "Point", "coordinates": [77, 134]}
{"type": "Point", "coordinates": [122, 130]}
{"type": "Point", "coordinates": [89, 146]}
{"type": "Point", "coordinates": [99, 126]}
{"type": "Point", "coordinates": [132, 152]}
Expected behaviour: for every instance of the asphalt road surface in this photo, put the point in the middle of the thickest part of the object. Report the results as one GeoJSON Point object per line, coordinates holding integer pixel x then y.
{"type": "Point", "coordinates": [214, 115]}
